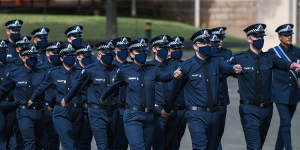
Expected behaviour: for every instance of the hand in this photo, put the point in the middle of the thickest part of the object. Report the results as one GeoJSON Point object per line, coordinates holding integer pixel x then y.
{"type": "Point", "coordinates": [294, 66]}
{"type": "Point", "coordinates": [86, 106]}
{"type": "Point", "coordinates": [164, 114]}
{"type": "Point", "coordinates": [63, 103]}
{"type": "Point", "coordinates": [238, 91]}
{"type": "Point", "coordinates": [50, 109]}
{"type": "Point", "coordinates": [237, 68]}
{"type": "Point", "coordinates": [29, 103]}
{"type": "Point", "coordinates": [297, 69]}
{"type": "Point", "coordinates": [177, 74]}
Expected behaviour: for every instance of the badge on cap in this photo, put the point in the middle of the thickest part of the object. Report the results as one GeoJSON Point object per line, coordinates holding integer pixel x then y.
{"type": "Point", "coordinates": [165, 39]}
{"type": "Point", "coordinates": [214, 38]}
{"type": "Point", "coordinates": [110, 45]}
{"type": "Point", "coordinates": [260, 28]}
{"type": "Point", "coordinates": [143, 42]}
{"type": "Point", "coordinates": [3, 44]}
{"type": "Point", "coordinates": [69, 46]}
{"type": "Point", "coordinates": [77, 29]}
{"type": "Point", "coordinates": [57, 44]}
{"type": "Point", "coordinates": [17, 23]}
{"type": "Point", "coordinates": [124, 41]}
{"type": "Point", "coordinates": [25, 39]}
{"type": "Point", "coordinates": [43, 31]}
{"type": "Point", "coordinates": [178, 41]}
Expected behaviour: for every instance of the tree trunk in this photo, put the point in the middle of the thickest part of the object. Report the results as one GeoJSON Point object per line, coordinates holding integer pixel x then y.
{"type": "Point", "coordinates": [111, 19]}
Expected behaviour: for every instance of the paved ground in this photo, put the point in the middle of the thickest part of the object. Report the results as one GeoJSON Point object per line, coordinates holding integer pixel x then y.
{"type": "Point", "coordinates": [233, 138]}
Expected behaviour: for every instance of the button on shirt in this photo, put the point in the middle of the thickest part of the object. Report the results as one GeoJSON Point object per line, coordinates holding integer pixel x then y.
{"type": "Point", "coordinates": [284, 85]}
{"type": "Point", "coordinates": [246, 80]}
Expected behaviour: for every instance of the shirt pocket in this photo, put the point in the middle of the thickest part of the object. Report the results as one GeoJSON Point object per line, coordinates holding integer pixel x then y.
{"type": "Point", "coordinates": [196, 80]}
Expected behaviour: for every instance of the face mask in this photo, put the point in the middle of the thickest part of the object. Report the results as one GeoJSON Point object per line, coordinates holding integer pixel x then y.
{"type": "Point", "coordinates": [162, 53]}
{"type": "Point", "coordinates": [86, 61]}
{"type": "Point", "coordinates": [258, 44]}
{"type": "Point", "coordinates": [107, 59]}
{"type": "Point", "coordinates": [69, 61]}
{"type": "Point", "coordinates": [176, 54]}
{"type": "Point", "coordinates": [140, 58]}
{"type": "Point", "coordinates": [214, 50]}
{"type": "Point", "coordinates": [42, 43]}
{"type": "Point", "coordinates": [77, 42]}
{"type": "Point", "coordinates": [205, 50]}
{"type": "Point", "coordinates": [123, 54]}
{"type": "Point", "coordinates": [15, 36]}
{"type": "Point", "coordinates": [31, 62]}
{"type": "Point", "coordinates": [55, 59]}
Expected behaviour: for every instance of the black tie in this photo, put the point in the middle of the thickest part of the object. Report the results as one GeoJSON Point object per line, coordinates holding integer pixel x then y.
{"type": "Point", "coordinates": [141, 83]}
{"type": "Point", "coordinates": [208, 87]}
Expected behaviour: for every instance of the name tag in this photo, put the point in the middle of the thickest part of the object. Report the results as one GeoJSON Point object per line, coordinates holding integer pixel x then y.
{"type": "Point", "coordinates": [62, 81]}
{"type": "Point", "coordinates": [196, 75]}
{"type": "Point", "coordinates": [133, 78]}
{"type": "Point", "coordinates": [22, 82]}
{"type": "Point", "coordinates": [100, 79]}
{"type": "Point", "coordinates": [248, 68]}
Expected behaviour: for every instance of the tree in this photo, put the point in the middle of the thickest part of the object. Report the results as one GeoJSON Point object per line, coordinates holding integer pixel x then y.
{"type": "Point", "coordinates": [111, 19]}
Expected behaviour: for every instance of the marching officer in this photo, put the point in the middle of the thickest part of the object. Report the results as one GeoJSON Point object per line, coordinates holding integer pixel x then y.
{"type": "Point", "coordinates": [74, 36]}
{"type": "Point", "coordinates": [83, 56]}
{"type": "Point", "coordinates": [23, 80]}
{"type": "Point", "coordinates": [139, 78]}
{"type": "Point", "coordinates": [67, 115]}
{"type": "Point", "coordinates": [285, 88]}
{"type": "Point", "coordinates": [96, 79]}
{"type": "Point", "coordinates": [202, 75]}
{"type": "Point", "coordinates": [255, 82]}
{"type": "Point", "coordinates": [40, 40]}
{"type": "Point", "coordinates": [175, 135]}
{"type": "Point", "coordinates": [13, 31]}
{"type": "Point", "coordinates": [163, 122]}
{"type": "Point", "coordinates": [121, 53]}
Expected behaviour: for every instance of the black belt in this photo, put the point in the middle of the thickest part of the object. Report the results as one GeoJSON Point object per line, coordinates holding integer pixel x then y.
{"type": "Point", "coordinates": [262, 105]}
{"type": "Point", "coordinates": [213, 109]}
{"type": "Point", "coordinates": [140, 108]}
{"type": "Point", "coordinates": [222, 103]}
{"type": "Point", "coordinates": [30, 107]}
{"type": "Point", "coordinates": [99, 106]}
{"type": "Point", "coordinates": [159, 105]}
{"type": "Point", "coordinates": [75, 105]}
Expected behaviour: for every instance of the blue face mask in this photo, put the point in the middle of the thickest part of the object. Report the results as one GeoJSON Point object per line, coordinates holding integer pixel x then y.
{"type": "Point", "coordinates": [162, 53]}
{"type": "Point", "coordinates": [86, 61]}
{"type": "Point", "coordinates": [214, 50]}
{"type": "Point", "coordinates": [107, 59]}
{"type": "Point", "coordinates": [141, 58]}
{"type": "Point", "coordinates": [176, 54]}
{"type": "Point", "coordinates": [42, 43]}
{"type": "Point", "coordinates": [123, 54]}
{"type": "Point", "coordinates": [77, 42]}
{"type": "Point", "coordinates": [69, 61]}
{"type": "Point", "coordinates": [3, 57]}
{"type": "Point", "coordinates": [55, 60]}
{"type": "Point", "coordinates": [258, 44]}
{"type": "Point", "coordinates": [31, 62]}
{"type": "Point", "coordinates": [15, 36]}
{"type": "Point", "coordinates": [205, 50]}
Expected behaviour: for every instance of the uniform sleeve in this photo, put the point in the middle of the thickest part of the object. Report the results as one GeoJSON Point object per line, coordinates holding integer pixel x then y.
{"type": "Point", "coordinates": [225, 67]}
{"type": "Point", "coordinates": [119, 81]}
{"type": "Point", "coordinates": [6, 85]}
{"type": "Point", "coordinates": [47, 82]}
{"type": "Point", "coordinates": [279, 62]}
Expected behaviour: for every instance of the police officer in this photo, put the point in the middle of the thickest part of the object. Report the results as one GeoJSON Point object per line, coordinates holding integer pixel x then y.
{"type": "Point", "coordinates": [97, 78]}
{"type": "Point", "coordinates": [163, 122]}
{"type": "Point", "coordinates": [121, 53]}
{"type": "Point", "coordinates": [22, 42]}
{"type": "Point", "coordinates": [255, 82]}
{"type": "Point", "coordinates": [139, 78]}
{"type": "Point", "coordinates": [23, 80]}
{"type": "Point", "coordinates": [50, 139]}
{"type": "Point", "coordinates": [74, 36]}
{"type": "Point", "coordinates": [83, 56]}
{"type": "Point", "coordinates": [13, 31]}
{"type": "Point", "coordinates": [285, 85]}
{"type": "Point", "coordinates": [40, 36]}
{"type": "Point", "coordinates": [217, 41]}
{"type": "Point", "coordinates": [174, 60]}
{"type": "Point", "coordinates": [67, 115]}
{"type": "Point", "coordinates": [7, 106]}
{"type": "Point", "coordinates": [202, 73]}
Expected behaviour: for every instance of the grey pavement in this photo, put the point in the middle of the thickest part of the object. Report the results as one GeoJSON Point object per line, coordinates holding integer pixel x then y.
{"type": "Point", "coordinates": [233, 138]}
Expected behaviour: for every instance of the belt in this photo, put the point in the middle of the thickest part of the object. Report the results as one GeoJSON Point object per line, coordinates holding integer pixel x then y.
{"type": "Point", "coordinates": [30, 107]}
{"type": "Point", "coordinates": [207, 109]}
{"type": "Point", "coordinates": [75, 105]}
{"type": "Point", "coordinates": [222, 103]}
{"type": "Point", "coordinates": [159, 105]}
{"type": "Point", "coordinates": [99, 106]}
{"type": "Point", "coordinates": [140, 108]}
{"type": "Point", "coordinates": [262, 105]}
{"type": "Point", "coordinates": [7, 99]}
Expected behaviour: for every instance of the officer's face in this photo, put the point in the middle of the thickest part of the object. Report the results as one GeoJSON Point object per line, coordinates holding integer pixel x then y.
{"type": "Point", "coordinates": [155, 49]}
{"type": "Point", "coordinates": [135, 52]}
{"type": "Point", "coordinates": [9, 31]}
{"type": "Point", "coordinates": [36, 39]}
{"type": "Point", "coordinates": [70, 38]}
{"type": "Point", "coordinates": [286, 39]}
{"type": "Point", "coordinates": [79, 57]}
{"type": "Point", "coordinates": [117, 50]}
{"type": "Point", "coordinates": [172, 50]}
{"type": "Point", "coordinates": [198, 44]}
